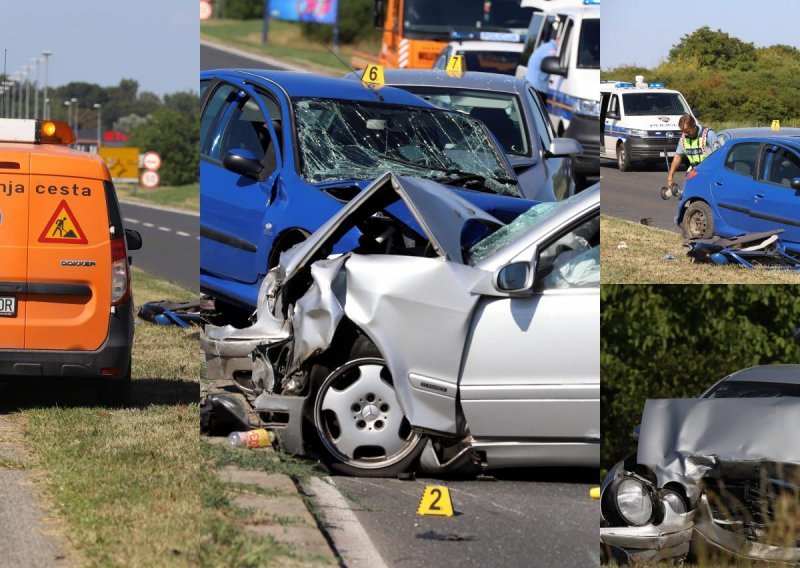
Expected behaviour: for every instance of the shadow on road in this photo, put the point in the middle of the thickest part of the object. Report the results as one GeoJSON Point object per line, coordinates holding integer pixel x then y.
{"type": "Point", "coordinates": [39, 392]}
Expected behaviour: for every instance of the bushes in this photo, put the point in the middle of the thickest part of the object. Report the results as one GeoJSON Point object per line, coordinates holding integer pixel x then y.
{"type": "Point", "coordinates": [243, 9]}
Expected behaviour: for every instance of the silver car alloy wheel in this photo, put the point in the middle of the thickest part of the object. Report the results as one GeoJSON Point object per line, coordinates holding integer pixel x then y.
{"type": "Point", "coordinates": [358, 417]}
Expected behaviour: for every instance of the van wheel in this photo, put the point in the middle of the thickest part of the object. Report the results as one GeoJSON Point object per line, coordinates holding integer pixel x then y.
{"type": "Point", "coordinates": [359, 422]}
{"type": "Point", "coordinates": [698, 221]}
{"type": "Point", "coordinates": [623, 158]}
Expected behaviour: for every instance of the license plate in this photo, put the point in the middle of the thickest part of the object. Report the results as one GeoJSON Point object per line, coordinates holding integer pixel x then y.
{"type": "Point", "coordinates": [668, 154]}
{"type": "Point", "coordinates": [8, 306]}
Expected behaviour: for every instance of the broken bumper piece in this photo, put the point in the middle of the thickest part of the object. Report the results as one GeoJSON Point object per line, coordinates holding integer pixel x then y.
{"type": "Point", "coordinates": [653, 543]}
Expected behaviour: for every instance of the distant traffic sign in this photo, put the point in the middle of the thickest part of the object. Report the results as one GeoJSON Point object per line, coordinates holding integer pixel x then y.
{"type": "Point", "coordinates": [151, 161]}
{"type": "Point", "coordinates": [123, 163]}
{"type": "Point", "coordinates": [205, 10]}
{"type": "Point", "coordinates": [149, 179]}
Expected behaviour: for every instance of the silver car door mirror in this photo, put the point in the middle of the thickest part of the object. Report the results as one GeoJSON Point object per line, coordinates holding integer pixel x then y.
{"type": "Point", "coordinates": [514, 278]}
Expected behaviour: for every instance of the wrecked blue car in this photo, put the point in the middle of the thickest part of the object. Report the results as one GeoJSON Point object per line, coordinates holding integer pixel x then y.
{"type": "Point", "coordinates": [282, 152]}
{"type": "Point", "coordinates": [749, 185]}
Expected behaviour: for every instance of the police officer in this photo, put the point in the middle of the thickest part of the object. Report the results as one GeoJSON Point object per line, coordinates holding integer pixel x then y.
{"type": "Point", "coordinates": [536, 77]}
{"type": "Point", "coordinates": [696, 143]}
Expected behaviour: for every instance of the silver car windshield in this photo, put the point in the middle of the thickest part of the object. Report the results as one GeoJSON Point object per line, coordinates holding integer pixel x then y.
{"type": "Point", "coordinates": [499, 111]}
{"type": "Point", "coordinates": [347, 140]}
{"type": "Point", "coordinates": [514, 230]}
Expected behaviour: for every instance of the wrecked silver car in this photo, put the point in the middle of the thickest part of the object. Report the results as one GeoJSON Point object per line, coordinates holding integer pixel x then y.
{"type": "Point", "coordinates": [446, 335]}
{"type": "Point", "coordinates": [720, 473]}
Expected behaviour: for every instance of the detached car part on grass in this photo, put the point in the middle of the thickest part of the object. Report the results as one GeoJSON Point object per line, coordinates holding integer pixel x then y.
{"type": "Point", "coordinates": [716, 471]}
{"type": "Point", "coordinates": [441, 336]}
{"type": "Point", "coordinates": [747, 250]}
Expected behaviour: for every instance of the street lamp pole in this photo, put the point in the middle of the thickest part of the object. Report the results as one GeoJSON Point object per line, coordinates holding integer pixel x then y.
{"type": "Point", "coordinates": [27, 71]}
{"type": "Point", "coordinates": [69, 113]}
{"type": "Point", "coordinates": [35, 60]}
{"type": "Point", "coordinates": [98, 106]}
{"type": "Point", "coordinates": [75, 109]}
{"type": "Point", "coordinates": [46, 53]}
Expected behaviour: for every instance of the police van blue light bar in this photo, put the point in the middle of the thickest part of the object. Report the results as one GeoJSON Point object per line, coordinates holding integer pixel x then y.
{"type": "Point", "coordinates": [621, 84]}
{"type": "Point", "coordinates": [591, 2]}
{"type": "Point", "coordinates": [485, 36]}
{"type": "Point", "coordinates": [656, 85]}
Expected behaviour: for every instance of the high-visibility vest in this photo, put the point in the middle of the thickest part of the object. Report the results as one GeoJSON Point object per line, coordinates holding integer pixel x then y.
{"type": "Point", "coordinates": [695, 148]}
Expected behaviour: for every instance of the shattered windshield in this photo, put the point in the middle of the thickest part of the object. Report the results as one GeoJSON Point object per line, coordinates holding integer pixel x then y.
{"type": "Point", "coordinates": [514, 230]}
{"type": "Point", "coordinates": [348, 140]}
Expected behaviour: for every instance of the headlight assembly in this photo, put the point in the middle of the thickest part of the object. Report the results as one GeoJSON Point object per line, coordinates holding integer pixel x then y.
{"type": "Point", "coordinates": [673, 500]}
{"type": "Point", "coordinates": [638, 133]}
{"type": "Point", "coordinates": [633, 502]}
{"type": "Point", "coordinates": [586, 107]}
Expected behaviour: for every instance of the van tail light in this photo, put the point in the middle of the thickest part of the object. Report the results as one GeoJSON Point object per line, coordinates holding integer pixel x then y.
{"type": "Point", "coordinates": [120, 275]}
{"type": "Point", "coordinates": [691, 174]}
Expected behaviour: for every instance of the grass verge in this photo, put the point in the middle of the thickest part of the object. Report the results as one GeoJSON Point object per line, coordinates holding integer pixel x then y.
{"type": "Point", "coordinates": [286, 42]}
{"type": "Point", "coordinates": [125, 480]}
{"type": "Point", "coordinates": [644, 262]}
{"type": "Point", "coordinates": [185, 197]}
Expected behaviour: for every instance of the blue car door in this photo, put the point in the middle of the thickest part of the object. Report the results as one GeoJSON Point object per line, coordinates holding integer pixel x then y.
{"type": "Point", "coordinates": [234, 204]}
{"type": "Point", "coordinates": [733, 185]}
{"type": "Point", "coordinates": [776, 205]}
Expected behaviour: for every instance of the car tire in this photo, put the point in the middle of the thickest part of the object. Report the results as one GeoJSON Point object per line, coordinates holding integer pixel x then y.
{"type": "Point", "coordinates": [358, 420]}
{"type": "Point", "coordinates": [623, 158]}
{"type": "Point", "coordinates": [698, 221]}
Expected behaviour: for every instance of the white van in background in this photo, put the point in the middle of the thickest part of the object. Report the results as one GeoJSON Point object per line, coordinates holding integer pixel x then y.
{"type": "Point", "coordinates": [573, 98]}
{"type": "Point", "coordinates": [640, 121]}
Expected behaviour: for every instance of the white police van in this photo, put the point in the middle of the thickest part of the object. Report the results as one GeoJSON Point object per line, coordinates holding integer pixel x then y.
{"type": "Point", "coordinates": [640, 121]}
{"type": "Point", "coordinates": [485, 51]}
{"type": "Point", "coordinates": [572, 99]}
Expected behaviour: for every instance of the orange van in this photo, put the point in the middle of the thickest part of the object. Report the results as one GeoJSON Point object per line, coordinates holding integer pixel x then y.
{"type": "Point", "coordinates": [65, 299]}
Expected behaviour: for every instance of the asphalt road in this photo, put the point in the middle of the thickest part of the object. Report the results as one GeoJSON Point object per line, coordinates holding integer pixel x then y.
{"type": "Point", "coordinates": [636, 195]}
{"type": "Point", "coordinates": [212, 58]}
{"type": "Point", "coordinates": [170, 243]}
{"type": "Point", "coordinates": [528, 518]}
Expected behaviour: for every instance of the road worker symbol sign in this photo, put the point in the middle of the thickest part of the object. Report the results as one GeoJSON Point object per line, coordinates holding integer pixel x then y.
{"type": "Point", "coordinates": [373, 77]}
{"type": "Point", "coordinates": [435, 501]}
{"type": "Point", "coordinates": [63, 227]}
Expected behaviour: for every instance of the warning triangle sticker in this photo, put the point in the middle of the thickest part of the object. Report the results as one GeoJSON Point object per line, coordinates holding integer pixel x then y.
{"type": "Point", "coordinates": [63, 227]}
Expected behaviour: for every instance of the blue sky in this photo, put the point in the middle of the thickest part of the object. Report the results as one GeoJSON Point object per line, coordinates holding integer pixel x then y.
{"type": "Point", "coordinates": [155, 42]}
{"type": "Point", "coordinates": [643, 31]}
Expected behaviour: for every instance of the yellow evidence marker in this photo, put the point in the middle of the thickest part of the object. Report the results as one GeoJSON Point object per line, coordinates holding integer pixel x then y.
{"type": "Point", "coordinates": [594, 493]}
{"type": "Point", "coordinates": [435, 501]}
{"type": "Point", "coordinates": [776, 125]}
{"type": "Point", "coordinates": [456, 66]}
{"type": "Point", "coordinates": [373, 77]}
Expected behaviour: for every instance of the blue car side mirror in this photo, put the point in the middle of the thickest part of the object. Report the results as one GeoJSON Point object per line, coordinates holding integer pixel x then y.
{"type": "Point", "coordinates": [242, 162]}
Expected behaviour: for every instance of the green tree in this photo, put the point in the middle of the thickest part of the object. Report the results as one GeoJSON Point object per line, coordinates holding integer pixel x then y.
{"type": "Point", "coordinates": [355, 22]}
{"type": "Point", "coordinates": [175, 136]}
{"type": "Point", "coordinates": [676, 341]}
{"type": "Point", "coordinates": [715, 49]}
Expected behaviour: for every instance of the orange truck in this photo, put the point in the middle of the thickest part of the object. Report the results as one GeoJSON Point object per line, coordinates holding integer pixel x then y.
{"type": "Point", "coordinates": [416, 31]}
{"type": "Point", "coordinates": [65, 299]}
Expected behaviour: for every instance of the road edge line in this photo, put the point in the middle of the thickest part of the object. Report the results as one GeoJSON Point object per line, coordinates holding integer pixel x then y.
{"type": "Point", "coordinates": [340, 524]}
{"type": "Point", "coordinates": [160, 207]}
{"type": "Point", "coordinates": [254, 56]}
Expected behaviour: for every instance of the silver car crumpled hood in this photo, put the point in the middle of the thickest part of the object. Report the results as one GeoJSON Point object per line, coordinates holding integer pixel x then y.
{"type": "Point", "coordinates": [682, 439]}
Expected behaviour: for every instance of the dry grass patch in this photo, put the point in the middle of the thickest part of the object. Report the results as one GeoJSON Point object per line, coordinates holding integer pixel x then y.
{"type": "Point", "coordinates": [643, 262]}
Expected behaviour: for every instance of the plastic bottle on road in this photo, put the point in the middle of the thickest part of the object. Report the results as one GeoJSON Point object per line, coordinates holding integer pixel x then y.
{"type": "Point", "coordinates": [253, 439]}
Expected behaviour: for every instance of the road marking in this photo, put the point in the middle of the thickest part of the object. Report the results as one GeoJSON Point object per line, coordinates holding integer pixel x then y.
{"type": "Point", "coordinates": [182, 234]}
{"type": "Point", "coordinates": [166, 229]}
{"type": "Point", "coordinates": [134, 221]}
{"type": "Point", "coordinates": [148, 224]}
